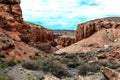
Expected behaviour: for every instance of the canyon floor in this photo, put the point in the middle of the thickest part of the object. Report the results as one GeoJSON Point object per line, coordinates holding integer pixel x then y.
{"type": "Point", "coordinates": [31, 52]}
{"type": "Point", "coordinates": [82, 65]}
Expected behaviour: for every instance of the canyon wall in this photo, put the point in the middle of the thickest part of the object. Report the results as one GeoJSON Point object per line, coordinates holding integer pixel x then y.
{"type": "Point", "coordinates": [85, 30]}
{"type": "Point", "coordinates": [19, 39]}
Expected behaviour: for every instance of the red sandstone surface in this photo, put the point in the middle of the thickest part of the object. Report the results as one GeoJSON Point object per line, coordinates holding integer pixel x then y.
{"type": "Point", "coordinates": [18, 37]}
{"type": "Point", "coordinates": [94, 35]}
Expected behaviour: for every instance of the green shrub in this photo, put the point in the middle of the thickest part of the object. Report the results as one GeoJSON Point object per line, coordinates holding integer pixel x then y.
{"type": "Point", "coordinates": [48, 66]}
{"type": "Point", "coordinates": [2, 56]}
{"type": "Point", "coordinates": [72, 64]}
{"type": "Point", "coordinates": [8, 77]}
{"type": "Point", "coordinates": [25, 52]}
{"type": "Point", "coordinates": [3, 76]}
{"type": "Point", "coordinates": [109, 64]}
{"type": "Point", "coordinates": [85, 68]}
{"type": "Point", "coordinates": [70, 56]}
{"type": "Point", "coordinates": [55, 68]}
{"type": "Point", "coordinates": [30, 65]}
{"type": "Point", "coordinates": [4, 41]}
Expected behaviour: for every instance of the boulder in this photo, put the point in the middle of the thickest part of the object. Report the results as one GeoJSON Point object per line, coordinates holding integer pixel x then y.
{"type": "Point", "coordinates": [114, 55]}
{"type": "Point", "coordinates": [110, 74]}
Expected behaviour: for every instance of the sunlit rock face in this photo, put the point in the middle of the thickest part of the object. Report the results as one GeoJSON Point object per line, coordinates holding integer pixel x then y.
{"type": "Point", "coordinates": [85, 30]}
{"type": "Point", "coordinates": [19, 37]}
{"type": "Point", "coordinates": [96, 34]}
{"type": "Point", "coordinates": [11, 19]}
{"type": "Point", "coordinates": [10, 14]}
{"type": "Point", "coordinates": [110, 74]}
{"type": "Point", "coordinates": [65, 41]}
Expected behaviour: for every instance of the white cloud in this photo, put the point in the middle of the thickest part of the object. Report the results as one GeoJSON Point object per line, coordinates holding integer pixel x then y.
{"type": "Point", "coordinates": [67, 13]}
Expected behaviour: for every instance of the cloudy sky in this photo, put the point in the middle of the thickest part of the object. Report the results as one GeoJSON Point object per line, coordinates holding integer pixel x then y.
{"type": "Point", "coordinates": [66, 14]}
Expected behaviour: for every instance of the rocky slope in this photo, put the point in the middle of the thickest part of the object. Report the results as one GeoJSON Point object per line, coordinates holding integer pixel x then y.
{"type": "Point", "coordinates": [18, 37]}
{"type": "Point", "coordinates": [37, 36]}
{"type": "Point", "coordinates": [12, 47]}
{"type": "Point", "coordinates": [22, 40]}
{"type": "Point", "coordinates": [10, 14]}
{"type": "Point", "coordinates": [105, 34]}
{"type": "Point", "coordinates": [11, 19]}
{"type": "Point", "coordinates": [29, 34]}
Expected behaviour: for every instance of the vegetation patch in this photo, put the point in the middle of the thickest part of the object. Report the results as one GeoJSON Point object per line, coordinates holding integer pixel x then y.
{"type": "Point", "coordinates": [4, 41]}
{"type": "Point", "coordinates": [48, 66]}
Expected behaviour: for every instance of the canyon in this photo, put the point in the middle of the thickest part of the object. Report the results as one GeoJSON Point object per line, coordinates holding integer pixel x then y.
{"type": "Point", "coordinates": [27, 34]}
{"type": "Point", "coordinates": [93, 41]}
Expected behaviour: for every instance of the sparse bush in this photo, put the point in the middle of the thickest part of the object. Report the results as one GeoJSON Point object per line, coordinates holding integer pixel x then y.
{"type": "Point", "coordinates": [70, 60]}
{"type": "Point", "coordinates": [85, 68]}
{"type": "Point", "coordinates": [25, 52]}
{"type": "Point", "coordinates": [37, 54]}
{"type": "Point", "coordinates": [2, 56]}
{"type": "Point", "coordinates": [109, 64]}
{"type": "Point", "coordinates": [55, 68]}
{"type": "Point", "coordinates": [7, 53]}
{"type": "Point", "coordinates": [30, 65]}
{"type": "Point", "coordinates": [4, 41]}
{"type": "Point", "coordinates": [58, 65]}
{"type": "Point", "coordinates": [70, 56]}
{"type": "Point", "coordinates": [72, 64]}
{"type": "Point", "coordinates": [6, 63]}
{"type": "Point", "coordinates": [118, 69]}
{"type": "Point", "coordinates": [3, 76]}
{"type": "Point", "coordinates": [32, 57]}
{"type": "Point", "coordinates": [10, 62]}
{"type": "Point", "coordinates": [48, 66]}
{"type": "Point", "coordinates": [8, 78]}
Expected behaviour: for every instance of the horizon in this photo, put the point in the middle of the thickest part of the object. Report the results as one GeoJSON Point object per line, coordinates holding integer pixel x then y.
{"type": "Point", "coordinates": [66, 15]}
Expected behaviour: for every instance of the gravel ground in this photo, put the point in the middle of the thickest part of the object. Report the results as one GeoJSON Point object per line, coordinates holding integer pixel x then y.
{"type": "Point", "coordinates": [18, 73]}
{"type": "Point", "coordinates": [96, 76]}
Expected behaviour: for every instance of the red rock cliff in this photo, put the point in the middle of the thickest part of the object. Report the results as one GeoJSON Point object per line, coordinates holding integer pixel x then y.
{"type": "Point", "coordinates": [15, 33]}
{"type": "Point", "coordinates": [65, 41]}
{"type": "Point", "coordinates": [10, 14]}
{"type": "Point", "coordinates": [11, 19]}
{"type": "Point", "coordinates": [85, 30]}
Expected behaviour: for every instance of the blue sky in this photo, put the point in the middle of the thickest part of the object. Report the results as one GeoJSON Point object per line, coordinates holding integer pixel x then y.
{"type": "Point", "coordinates": [67, 14]}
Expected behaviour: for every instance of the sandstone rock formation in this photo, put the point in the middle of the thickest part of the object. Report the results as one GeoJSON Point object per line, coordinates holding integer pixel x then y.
{"type": "Point", "coordinates": [18, 37]}
{"type": "Point", "coordinates": [65, 41]}
{"type": "Point", "coordinates": [64, 38]}
{"type": "Point", "coordinates": [36, 33]}
{"type": "Point", "coordinates": [94, 37]}
{"type": "Point", "coordinates": [11, 19]}
{"type": "Point", "coordinates": [10, 14]}
{"type": "Point", "coordinates": [37, 36]}
{"type": "Point", "coordinates": [13, 48]}
{"type": "Point", "coordinates": [85, 30]}
{"type": "Point", "coordinates": [114, 55]}
{"type": "Point", "coordinates": [110, 74]}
